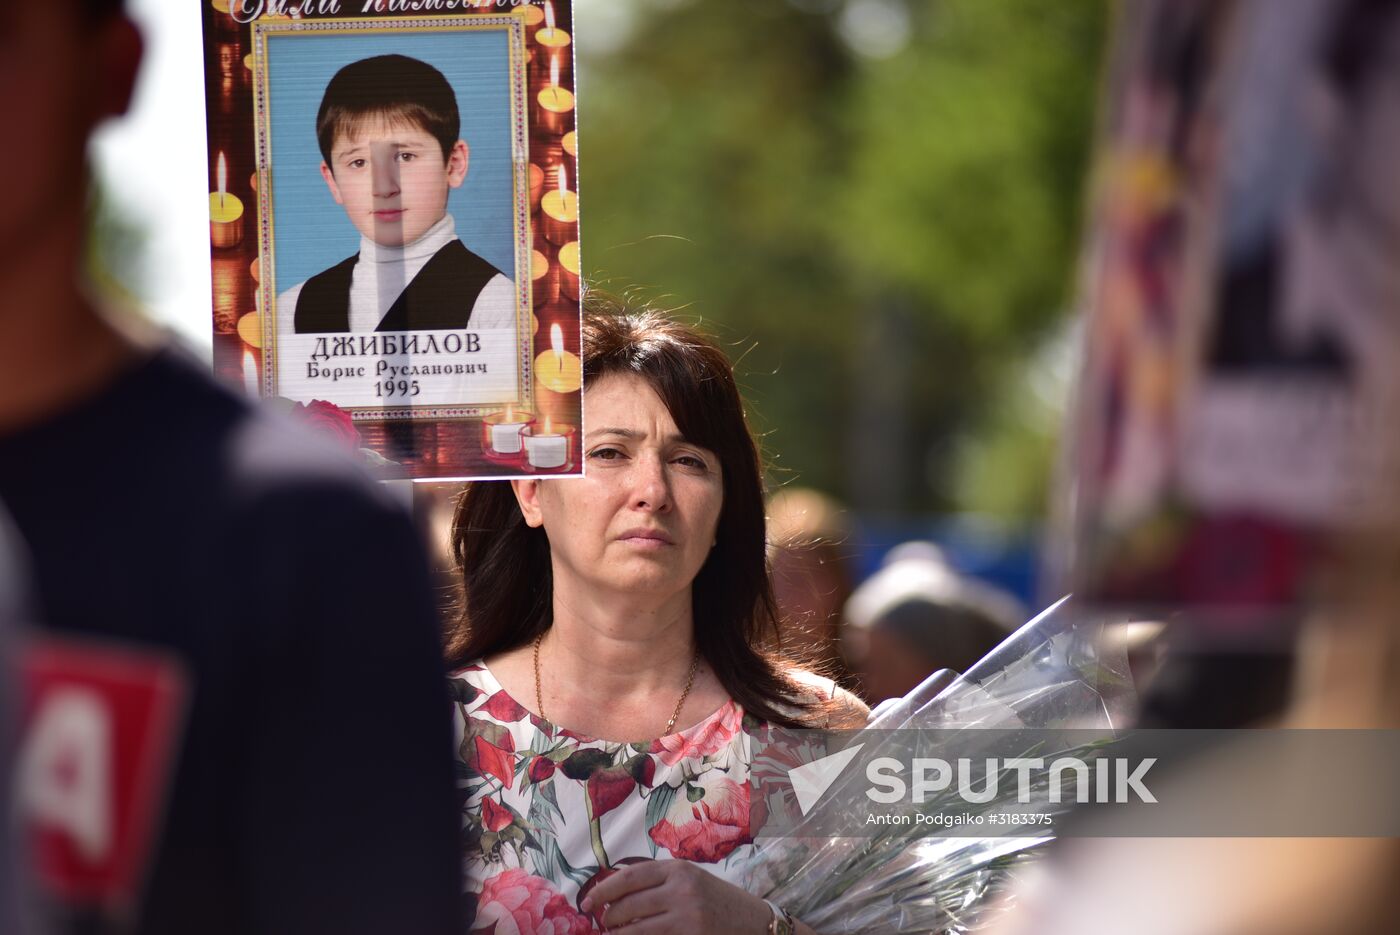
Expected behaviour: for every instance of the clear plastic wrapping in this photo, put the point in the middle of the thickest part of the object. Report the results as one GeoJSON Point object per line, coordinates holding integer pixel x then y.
{"type": "Point", "coordinates": [1052, 674]}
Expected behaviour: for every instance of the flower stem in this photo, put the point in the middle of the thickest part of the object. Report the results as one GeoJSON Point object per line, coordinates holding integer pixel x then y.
{"type": "Point", "coordinates": [595, 833]}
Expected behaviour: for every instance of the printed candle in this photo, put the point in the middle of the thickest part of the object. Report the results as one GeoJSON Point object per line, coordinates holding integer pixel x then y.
{"type": "Point", "coordinates": [556, 369]}
{"type": "Point", "coordinates": [536, 186]}
{"type": "Point", "coordinates": [228, 60]}
{"type": "Point", "coordinates": [544, 283]}
{"type": "Point", "coordinates": [559, 210]}
{"type": "Point", "coordinates": [255, 268]}
{"type": "Point", "coordinates": [569, 269]}
{"type": "Point", "coordinates": [250, 329]}
{"type": "Point", "coordinates": [226, 275]}
{"type": "Point", "coordinates": [555, 105]}
{"type": "Point", "coordinates": [551, 36]}
{"type": "Point", "coordinates": [222, 19]}
{"type": "Point", "coordinates": [505, 430]}
{"type": "Point", "coordinates": [225, 213]}
{"type": "Point", "coordinates": [534, 20]}
{"type": "Point", "coordinates": [547, 449]}
{"type": "Point", "coordinates": [570, 143]}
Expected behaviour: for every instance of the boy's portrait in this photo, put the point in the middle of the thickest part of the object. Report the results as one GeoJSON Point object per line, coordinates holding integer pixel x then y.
{"type": "Point", "coordinates": [393, 199]}
{"type": "Point", "coordinates": [388, 131]}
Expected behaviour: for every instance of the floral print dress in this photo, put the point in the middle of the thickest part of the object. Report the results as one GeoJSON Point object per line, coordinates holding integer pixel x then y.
{"type": "Point", "coordinates": [547, 813]}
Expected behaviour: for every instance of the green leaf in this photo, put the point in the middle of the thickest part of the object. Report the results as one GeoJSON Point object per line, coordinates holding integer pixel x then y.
{"type": "Point", "coordinates": [658, 804]}
{"type": "Point", "coordinates": [545, 793]}
{"type": "Point", "coordinates": [462, 691]}
{"type": "Point", "coordinates": [497, 735]}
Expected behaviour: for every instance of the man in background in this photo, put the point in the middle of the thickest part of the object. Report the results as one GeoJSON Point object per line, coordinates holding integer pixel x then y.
{"type": "Point", "coordinates": [235, 718]}
{"type": "Point", "coordinates": [917, 615]}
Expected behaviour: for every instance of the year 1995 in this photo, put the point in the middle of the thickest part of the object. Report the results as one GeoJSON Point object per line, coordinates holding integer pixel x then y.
{"type": "Point", "coordinates": [391, 388]}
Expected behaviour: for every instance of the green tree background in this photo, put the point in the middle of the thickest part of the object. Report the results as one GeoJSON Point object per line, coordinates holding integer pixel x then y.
{"type": "Point", "coordinates": [877, 203]}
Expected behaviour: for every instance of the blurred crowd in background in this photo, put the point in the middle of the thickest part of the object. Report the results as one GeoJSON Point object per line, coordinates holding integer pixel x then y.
{"type": "Point", "coordinates": [899, 398]}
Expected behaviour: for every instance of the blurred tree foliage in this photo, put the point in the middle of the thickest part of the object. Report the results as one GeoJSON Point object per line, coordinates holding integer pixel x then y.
{"type": "Point", "coordinates": [888, 239]}
{"type": "Point", "coordinates": [116, 250]}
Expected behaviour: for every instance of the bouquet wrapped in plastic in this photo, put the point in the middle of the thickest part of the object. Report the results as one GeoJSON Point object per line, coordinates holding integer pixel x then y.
{"type": "Point", "coordinates": [1052, 674]}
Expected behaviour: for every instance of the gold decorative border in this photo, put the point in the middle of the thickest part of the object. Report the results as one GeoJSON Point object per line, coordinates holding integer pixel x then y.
{"type": "Point", "coordinates": [514, 23]}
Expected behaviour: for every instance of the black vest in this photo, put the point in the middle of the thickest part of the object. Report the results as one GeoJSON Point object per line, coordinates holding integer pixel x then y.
{"type": "Point", "coordinates": [441, 296]}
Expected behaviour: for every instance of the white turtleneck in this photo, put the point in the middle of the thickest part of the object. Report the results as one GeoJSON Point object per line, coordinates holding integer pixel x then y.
{"type": "Point", "coordinates": [382, 273]}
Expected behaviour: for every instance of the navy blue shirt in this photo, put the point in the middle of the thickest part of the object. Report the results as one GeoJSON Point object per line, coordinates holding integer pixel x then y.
{"type": "Point", "coordinates": [313, 789]}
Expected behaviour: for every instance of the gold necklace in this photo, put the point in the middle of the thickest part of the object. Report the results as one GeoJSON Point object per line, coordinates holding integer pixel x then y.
{"type": "Point", "coordinates": [689, 683]}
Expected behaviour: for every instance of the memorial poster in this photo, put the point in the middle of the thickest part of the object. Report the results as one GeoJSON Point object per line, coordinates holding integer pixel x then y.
{"type": "Point", "coordinates": [394, 225]}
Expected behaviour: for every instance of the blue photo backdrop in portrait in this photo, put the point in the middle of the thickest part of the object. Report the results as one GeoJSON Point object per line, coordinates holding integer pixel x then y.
{"type": "Point", "coordinates": [311, 232]}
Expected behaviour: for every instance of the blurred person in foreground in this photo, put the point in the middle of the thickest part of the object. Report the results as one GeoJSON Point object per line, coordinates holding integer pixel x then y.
{"type": "Point", "coordinates": [917, 615]}
{"type": "Point", "coordinates": [620, 623]}
{"type": "Point", "coordinates": [13, 592]}
{"type": "Point", "coordinates": [261, 596]}
{"type": "Point", "coordinates": [808, 552]}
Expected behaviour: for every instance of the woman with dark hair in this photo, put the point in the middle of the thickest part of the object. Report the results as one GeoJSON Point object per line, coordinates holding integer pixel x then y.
{"type": "Point", "coordinates": [614, 641]}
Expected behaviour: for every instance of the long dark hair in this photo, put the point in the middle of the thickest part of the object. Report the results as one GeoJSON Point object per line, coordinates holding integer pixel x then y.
{"type": "Point", "coordinates": [507, 584]}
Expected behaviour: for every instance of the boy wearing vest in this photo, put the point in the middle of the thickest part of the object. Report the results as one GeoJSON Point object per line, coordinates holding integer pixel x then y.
{"type": "Point", "coordinates": [388, 129]}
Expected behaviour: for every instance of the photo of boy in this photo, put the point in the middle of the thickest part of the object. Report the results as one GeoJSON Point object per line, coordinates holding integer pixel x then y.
{"type": "Point", "coordinates": [389, 133]}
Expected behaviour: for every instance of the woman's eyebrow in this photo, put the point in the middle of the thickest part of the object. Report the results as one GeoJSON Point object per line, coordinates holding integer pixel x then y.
{"type": "Point", "coordinates": [630, 434]}
{"type": "Point", "coordinates": [621, 433]}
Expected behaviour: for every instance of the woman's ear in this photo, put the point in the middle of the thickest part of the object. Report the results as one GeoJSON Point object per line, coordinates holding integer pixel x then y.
{"type": "Point", "coordinates": [527, 494]}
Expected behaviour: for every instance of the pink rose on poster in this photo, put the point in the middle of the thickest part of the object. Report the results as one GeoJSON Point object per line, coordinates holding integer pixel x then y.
{"type": "Point", "coordinates": [328, 419]}
{"type": "Point", "coordinates": [517, 903]}
{"type": "Point", "coordinates": [704, 739]}
{"type": "Point", "coordinates": [709, 828]}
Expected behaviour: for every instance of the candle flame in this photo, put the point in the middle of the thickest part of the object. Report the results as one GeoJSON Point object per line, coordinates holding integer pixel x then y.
{"type": "Point", "coordinates": [223, 179]}
{"type": "Point", "coordinates": [554, 71]}
{"type": "Point", "coordinates": [556, 340]}
{"type": "Point", "coordinates": [549, 16]}
{"type": "Point", "coordinates": [250, 373]}
{"type": "Point", "coordinates": [563, 181]}
{"type": "Point", "coordinates": [548, 428]}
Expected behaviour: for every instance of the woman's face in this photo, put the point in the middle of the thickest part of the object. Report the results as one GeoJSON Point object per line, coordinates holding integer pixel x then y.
{"type": "Point", "coordinates": [642, 520]}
